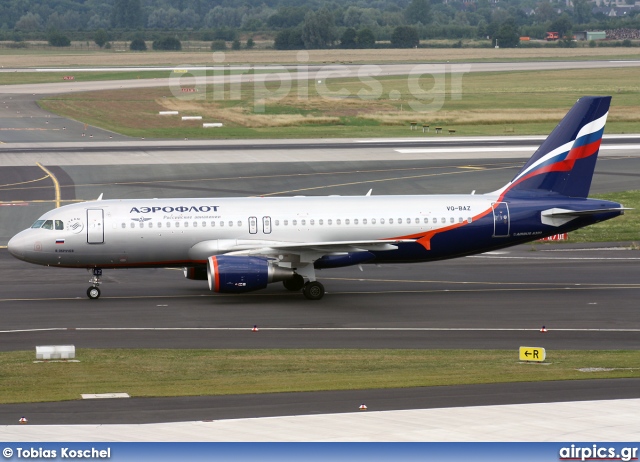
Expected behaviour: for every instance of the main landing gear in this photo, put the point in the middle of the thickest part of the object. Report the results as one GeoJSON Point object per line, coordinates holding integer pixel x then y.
{"type": "Point", "coordinates": [312, 290]}
{"type": "Point", "coordinates": [93, 292]}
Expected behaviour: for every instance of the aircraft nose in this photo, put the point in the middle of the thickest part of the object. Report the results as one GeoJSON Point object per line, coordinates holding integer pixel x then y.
{"type": "Point", "coordinates": [17, 246]}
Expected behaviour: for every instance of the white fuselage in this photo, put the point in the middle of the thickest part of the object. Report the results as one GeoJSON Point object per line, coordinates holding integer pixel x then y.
{"type": "Point", "coordinates": [161, 232]}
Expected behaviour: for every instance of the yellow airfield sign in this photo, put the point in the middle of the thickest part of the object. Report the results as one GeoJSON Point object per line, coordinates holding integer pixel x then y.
{"type": "Point", "coordinates": [532, 354]}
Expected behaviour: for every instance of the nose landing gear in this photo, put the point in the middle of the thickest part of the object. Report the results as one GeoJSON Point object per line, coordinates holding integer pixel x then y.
{"type": "Point", "coordinates": [93, 292]}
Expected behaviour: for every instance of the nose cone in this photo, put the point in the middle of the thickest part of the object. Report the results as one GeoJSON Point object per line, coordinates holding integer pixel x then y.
{"type": "Point", "coordinates": [17, 245]}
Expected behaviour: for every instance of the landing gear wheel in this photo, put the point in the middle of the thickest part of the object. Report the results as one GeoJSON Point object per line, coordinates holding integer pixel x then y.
{"type": "Point", "coordinates": [93, 293]}
{"type": "Point", "coordinates": [313, 290]}
{"type": "Point", "coordinates": [294, 284]}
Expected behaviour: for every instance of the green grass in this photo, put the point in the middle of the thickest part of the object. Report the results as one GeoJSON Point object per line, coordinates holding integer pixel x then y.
{"type": "Point", "coordinates": [517, 103]}
{"type": "Point", "coordinates": [14, 78]}
{"type": "Point", "coordinates": [221, 372]}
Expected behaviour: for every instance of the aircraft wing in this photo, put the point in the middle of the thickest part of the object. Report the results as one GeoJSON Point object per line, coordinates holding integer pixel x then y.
{"type": "Point", "coordinates": [314, 250]}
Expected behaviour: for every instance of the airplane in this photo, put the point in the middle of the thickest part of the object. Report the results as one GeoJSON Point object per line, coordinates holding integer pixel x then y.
{"type": "Point", "coordinates": [243, 244]}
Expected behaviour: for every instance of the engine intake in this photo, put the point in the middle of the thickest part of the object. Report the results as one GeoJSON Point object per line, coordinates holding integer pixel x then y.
{"type": "Point", "coordinates": [230, 274]}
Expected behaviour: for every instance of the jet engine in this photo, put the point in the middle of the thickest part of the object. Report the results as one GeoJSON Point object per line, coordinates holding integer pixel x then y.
{"type": "Point", "coordinates": [235, 274]}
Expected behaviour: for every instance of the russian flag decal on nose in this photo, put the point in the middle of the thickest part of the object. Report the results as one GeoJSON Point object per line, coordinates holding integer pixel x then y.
{"type": "Point", "coordinates": [59, 241]}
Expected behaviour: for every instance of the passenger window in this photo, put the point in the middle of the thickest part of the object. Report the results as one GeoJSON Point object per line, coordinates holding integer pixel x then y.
{"type": "Point", "coordinates": [213, 224]}
{"type": "Point", "coordinates": [150, 225]}
{"type": "Point", "coordinates": [329, 221]}
{"type": "Point", "coordinates": [452, 220]}
{"type": "Point", "coordinates": [373, 221]}
{"type": "Point", "coordinates": [177, 224]}
{"type": "Point", "coordinates": [390, 221]}
{"type": "Point", "coordinates": [222, 224]}
{"type": "Point", "coordinates": [355, 221]}
{"type": "Point", "coordinates": [312, 222]}
{"type": "Point", "coordinates": [435, 220]}
{"type": "Point", "coordinates": [382, 221]}
{"type": "Point", "coordinates": [37, 224]}
{"type": "Point", "coordinates": [59, 225]}
{"type": "Point", "coordinates": [133, 225]}
{"type": "Point", "coordinates": [338, 221]}
{"type": "Point", "coordinates": [469, 220]}
{"type": "Point", "coordinates": [47, 225]}
{"type": "Point", "coordinates": [168, 224]}
{"type": "Point", "coordinates": [277, 222]}
{"type": "Point", "coordinates": [443, 220]}
{"type": "Point", "coordinates": [159, 224]}
{"type": "Point", "coordinates": [303, 222]}
{"type": "Point", "coordinates": [399, 221]}
{"type": "Point", "coordinates": [142, 224]}
{"type": "Point", "coordinates": [294, 222]}
{"type": "Point", "coordinates": [231, 223]}
{"type": "Point", "coordinates": [321, 221]}
{"type": "Point", "coordinates": [204, 224]}
{"type": "Point", "coordinates": [240, 223]}
{"type": "Point", "coordinates": [364, 221]}
{"type": "Point", "coordinates": [286, 222]}
{"type": "Point", "coordinates": [186, 224]}
{"type": "Point", "coordinates": [195, 224]}
{"type": "Point", "coordinates": [124, 225]}
{"type": "Point", "coordinates": [460, 220]}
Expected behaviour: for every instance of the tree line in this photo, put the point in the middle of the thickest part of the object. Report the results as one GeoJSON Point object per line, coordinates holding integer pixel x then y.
{"type": "Point", "coordinates": [306, 24]}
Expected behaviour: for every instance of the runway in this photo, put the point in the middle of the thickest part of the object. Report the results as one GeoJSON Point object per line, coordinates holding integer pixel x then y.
{"type": "Point", "coordinates": [463, 303]}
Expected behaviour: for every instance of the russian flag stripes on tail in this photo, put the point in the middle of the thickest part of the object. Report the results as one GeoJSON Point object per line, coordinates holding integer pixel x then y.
{"type": "Point", "coordinates": [565, 162]}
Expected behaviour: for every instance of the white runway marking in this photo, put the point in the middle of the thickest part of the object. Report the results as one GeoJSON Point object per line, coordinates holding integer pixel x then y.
{"type": "Point", "coordinates": [531, 149]}
{"type": "Point", "coordinates": [319, 329]}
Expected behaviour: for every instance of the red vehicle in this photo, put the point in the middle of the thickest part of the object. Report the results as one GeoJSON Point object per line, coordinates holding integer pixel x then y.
{"type": "Point", "coordinates": [552, 36]}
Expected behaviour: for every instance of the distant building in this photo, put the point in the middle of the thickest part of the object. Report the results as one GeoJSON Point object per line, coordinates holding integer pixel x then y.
{"type": "Point", "coordinates": [590, 35]}
{"type": "Point", "coordinates": [615, 11]}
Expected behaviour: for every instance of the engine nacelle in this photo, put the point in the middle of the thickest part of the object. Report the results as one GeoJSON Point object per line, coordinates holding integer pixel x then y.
{"type": "Point", "coordinates": [231, 274]}
{"type": "Point", "coordinates": [198, 273]}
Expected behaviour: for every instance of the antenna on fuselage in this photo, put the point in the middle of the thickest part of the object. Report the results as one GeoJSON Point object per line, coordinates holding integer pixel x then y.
{"type": "Point", "coordinates": [100, 197]}
{"type": "Point", "coordinates": [369, 193]}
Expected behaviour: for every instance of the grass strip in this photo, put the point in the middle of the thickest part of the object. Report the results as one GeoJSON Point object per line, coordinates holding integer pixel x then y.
{"type": "Point", "coordinates": [164, 372]}
{"type": "Point", "coordinates": [515, 103]}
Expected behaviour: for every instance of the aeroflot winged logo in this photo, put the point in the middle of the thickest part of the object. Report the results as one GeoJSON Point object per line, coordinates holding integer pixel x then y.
{"type": "Point", "coordinates": [180, 208]}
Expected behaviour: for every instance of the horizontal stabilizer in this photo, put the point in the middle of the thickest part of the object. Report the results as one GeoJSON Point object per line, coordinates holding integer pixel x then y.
{"type": "Point", "coordinates": [558, 217]}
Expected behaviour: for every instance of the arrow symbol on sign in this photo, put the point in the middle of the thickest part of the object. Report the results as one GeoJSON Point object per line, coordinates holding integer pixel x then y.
{"type": "Point", "coordinates": [526, 353]}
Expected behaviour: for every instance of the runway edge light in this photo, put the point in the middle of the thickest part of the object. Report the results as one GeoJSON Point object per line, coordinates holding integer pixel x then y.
{"type": "Point", "coordinates": [535, 354]}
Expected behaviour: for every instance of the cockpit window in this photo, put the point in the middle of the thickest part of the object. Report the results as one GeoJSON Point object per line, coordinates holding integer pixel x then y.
{"type": "Point", "coordinates": [59, 225]}
{"type": "Point", "coordinates": [48, 224]}
{"type": "Point", "coordinates": [37, 224]}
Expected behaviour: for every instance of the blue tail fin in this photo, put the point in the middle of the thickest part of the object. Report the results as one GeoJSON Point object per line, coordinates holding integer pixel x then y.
{"type": "Point", "coordinates": [565, 162]}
